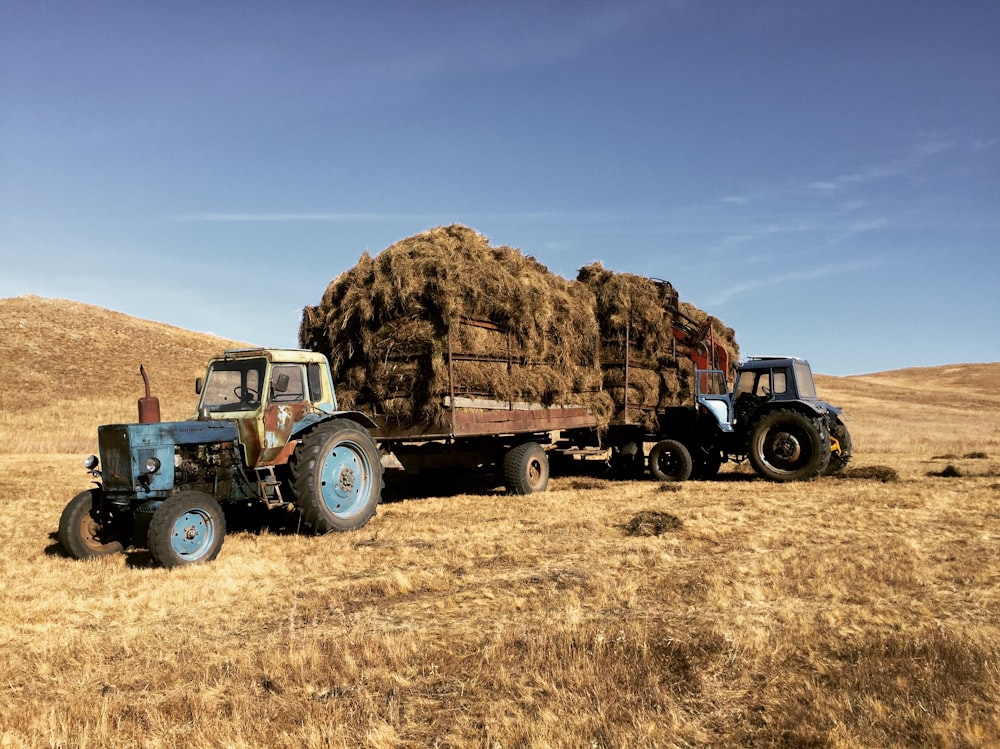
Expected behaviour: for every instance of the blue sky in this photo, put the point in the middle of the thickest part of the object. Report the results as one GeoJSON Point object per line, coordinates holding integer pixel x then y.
{"type": "Point", "coordinates": [823, 176]}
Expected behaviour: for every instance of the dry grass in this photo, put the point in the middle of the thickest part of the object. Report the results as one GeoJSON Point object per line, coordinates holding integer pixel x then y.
{"type": "Point", "coordinates": [840, 613]}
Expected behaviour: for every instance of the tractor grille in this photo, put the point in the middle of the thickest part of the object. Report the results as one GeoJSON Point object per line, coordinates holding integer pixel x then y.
{"type": "Point", "coordinates": [116, 461]}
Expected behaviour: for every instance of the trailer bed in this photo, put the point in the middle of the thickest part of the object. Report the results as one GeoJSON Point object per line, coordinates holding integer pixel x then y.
{"type": "Point", "coordinates": [473, 417]}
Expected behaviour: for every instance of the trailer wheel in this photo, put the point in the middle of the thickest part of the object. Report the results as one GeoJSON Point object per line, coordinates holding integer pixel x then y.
{"type": "Point", "coordinates": [627, 461]}
{"type": "Point", "coordinates": [82, 534]}
{"type": "Point", "coordinates": [669, 460]}
{"type": "Point", "coordinates": [188, 527]}
{"type": "Point", "coordinates": [839, 459]}
{"type": "Point", "coordinates": [338, 476]}
{"type": "Point", "coordinates": [526, 469]}
{"type": "Point", "coordinates": [789, 446]}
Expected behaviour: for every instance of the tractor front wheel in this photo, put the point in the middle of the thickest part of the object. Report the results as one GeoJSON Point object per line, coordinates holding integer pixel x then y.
{"type": "Point", "coordinates": [188, 527]}
{"type": "Point", "coordinates": [337, 474]}
{"type": "Point", "coordinates": [669, 460]}
{"type": "Point", "coordinates": [82, 534]}
{"type": "Point", "coordinates": [789, 446]}
{"type": "Point", "coordinates": [839, 458]}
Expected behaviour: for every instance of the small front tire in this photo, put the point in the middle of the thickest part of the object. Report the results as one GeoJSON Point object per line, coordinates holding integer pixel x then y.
{"type": "Point", "coordinates": [82, 534]}
{"type": "Point", "coordinates": [188, 527]}
{"type": "Point", "coordinates": [839, 458]}
{"type": "Point", "coordinates": [669, 460]}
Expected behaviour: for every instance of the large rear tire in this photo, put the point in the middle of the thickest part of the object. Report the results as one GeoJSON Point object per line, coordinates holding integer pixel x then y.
{"type": "Point", "coordinates": [188, 527]}
{"type": "Point", "coordinates": [526, 469]}
{"type": "Point", "coordinates": [82, 534]}
{"type": "Point", "coordinates": [789, 446]}
{"type": "Point", "coordinates": [338, 476]}
{"type": "Point", "coordinates": [670, 460]}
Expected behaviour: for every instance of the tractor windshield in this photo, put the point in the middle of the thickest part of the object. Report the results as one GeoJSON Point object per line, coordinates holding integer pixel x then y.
{"type": "Point", "coordinates": [233, 385]}
{"type": "Point", "coordinates": [804, 379]}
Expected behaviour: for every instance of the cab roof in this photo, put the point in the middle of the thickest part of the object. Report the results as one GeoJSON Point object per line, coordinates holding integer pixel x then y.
{"type": "Point", "coordinates": [766, 362]}
{"type": "Point", "coordinates": [291, 356]}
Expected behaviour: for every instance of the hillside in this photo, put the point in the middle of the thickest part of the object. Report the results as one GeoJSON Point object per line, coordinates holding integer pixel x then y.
{"type": "Point", "coordinates": [67, 367]}
{"type": "Point", "coordinates": [921, 406]}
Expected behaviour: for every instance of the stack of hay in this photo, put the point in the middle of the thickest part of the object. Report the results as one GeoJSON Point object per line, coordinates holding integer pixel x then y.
{"type": "Point", "coordinates": [516, 332]}
{"type": "Point", "coordinates": [385, 327]}
{"type": "Point", "coordinates": [639, 314]}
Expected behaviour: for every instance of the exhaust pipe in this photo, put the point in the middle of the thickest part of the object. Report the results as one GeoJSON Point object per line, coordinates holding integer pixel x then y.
{"type": "Point", "coordinates": [149, 407]}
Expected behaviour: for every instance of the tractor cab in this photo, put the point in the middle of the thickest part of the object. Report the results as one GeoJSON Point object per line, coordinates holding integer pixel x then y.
{"type": "Point", "coordinates": [760, 380]}
{"type": "Point", "coordinates": [270, 394]}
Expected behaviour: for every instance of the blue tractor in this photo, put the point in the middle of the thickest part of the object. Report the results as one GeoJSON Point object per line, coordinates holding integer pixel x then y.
{"type": "Point", "coordinates": [267, 434]}
{"type": "Point", "coordinates": [772, 417]}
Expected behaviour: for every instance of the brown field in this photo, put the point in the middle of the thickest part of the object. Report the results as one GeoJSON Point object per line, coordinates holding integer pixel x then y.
{"type": "Point", "coordinates": [849, 612]}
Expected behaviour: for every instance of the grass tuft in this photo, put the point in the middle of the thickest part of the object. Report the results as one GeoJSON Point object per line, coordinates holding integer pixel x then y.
{"type": "Point", "coordinates": [652, 523]}
{"type": "Point", "coordinates": [885, 474]}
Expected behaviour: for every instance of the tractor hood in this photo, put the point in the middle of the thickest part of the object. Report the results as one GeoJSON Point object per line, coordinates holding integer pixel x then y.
{"type": "Point", "coordinates": [129, 450]}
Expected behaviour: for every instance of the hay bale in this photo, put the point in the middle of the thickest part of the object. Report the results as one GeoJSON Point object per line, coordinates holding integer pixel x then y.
{"type": "Point", "coordinates": [517, 332]}
{"type": "Point", "coordinates": [640, 314]}
{"type": "Point", "coordinates": [388, 323]}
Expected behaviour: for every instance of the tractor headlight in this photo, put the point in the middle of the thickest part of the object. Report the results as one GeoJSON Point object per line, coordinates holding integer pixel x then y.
{"type": "Point", "coordinates": [91, 463]}
{"type": "Point", "coordinates": [152, 465]}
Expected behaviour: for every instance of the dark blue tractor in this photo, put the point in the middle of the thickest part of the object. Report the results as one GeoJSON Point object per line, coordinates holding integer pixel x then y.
{"type": "Point", "coordinates": [772, 417]}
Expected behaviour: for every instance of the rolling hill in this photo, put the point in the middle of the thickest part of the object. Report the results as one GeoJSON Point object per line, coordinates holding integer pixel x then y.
{"type": "Point", "coordinates": [68, 367]}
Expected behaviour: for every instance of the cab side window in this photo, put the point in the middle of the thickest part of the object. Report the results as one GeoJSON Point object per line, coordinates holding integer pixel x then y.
{"type": "Point", "coordinates": [287, 383]}
{"type": "Point", "coordinates": [780, 381]}
{"type": "Point", "coordinates": [315, 383]}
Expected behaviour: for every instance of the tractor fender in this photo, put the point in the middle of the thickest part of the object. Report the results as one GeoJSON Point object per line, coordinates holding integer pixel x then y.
{"type": "Point", "coordinates": [312, 419]}
{"type": "Point", "coordinates": [809, 408]}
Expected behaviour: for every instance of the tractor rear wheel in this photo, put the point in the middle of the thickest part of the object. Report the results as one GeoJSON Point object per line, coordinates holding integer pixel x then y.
{"type": "Point", "coordinates": [526, 469]}
{"type": "Point", "coordinates": [82, 534]}
{"type": "Point", "coordinates": [338, 476]}
{"type": "Point", "coordinates": [669, 460]}
{"type": "Point", "coordinates": [187, 527]}
{"type": "Point", "coordinates": [789, 446]}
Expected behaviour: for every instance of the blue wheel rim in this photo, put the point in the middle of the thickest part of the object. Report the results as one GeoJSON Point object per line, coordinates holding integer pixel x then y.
{"type": "Point", "coordinates": [346, 479]}
{"type": "Point", "coordinates": [193, 534]}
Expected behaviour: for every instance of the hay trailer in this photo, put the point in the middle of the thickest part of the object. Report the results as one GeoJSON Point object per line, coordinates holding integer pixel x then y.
{"type": "Point", "coordinates": [480, 431]}
{"type": "Point", "coordinates": [267, 434]}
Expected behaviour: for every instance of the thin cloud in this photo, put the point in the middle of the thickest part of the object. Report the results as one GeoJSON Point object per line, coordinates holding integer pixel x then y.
{"type": "Point", "coordinates": [736, 199]}
{"type": "Point", "coordinates": [812, 274]}
{"type": "Point", "coordinates": [566, 38]}
{"type": "Point", "coordinates": [878, 172]}
{"type": "Point", "coordinates": [353, 218]}
{"type": "Point", "coordinates": [210, 217]}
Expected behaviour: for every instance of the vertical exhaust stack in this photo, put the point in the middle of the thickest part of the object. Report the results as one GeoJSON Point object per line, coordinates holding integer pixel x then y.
{"type": "Point", "coordinates": [149, 407]}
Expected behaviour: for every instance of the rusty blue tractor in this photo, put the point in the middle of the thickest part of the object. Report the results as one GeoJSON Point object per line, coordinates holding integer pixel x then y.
{"type": "Point", "coordinates": [267, 434]}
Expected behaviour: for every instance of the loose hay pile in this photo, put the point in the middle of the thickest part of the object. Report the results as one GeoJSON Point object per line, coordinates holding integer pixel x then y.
{"type": "Point", "coordinates": [444, 302]}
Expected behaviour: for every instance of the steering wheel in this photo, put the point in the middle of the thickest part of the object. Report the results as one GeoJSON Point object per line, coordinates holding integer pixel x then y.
{"type": "Point", "coordinates": [246, 395]}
